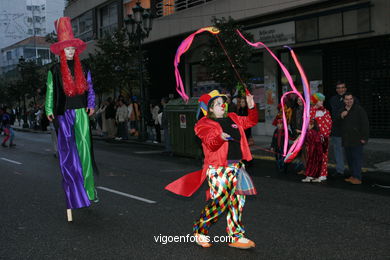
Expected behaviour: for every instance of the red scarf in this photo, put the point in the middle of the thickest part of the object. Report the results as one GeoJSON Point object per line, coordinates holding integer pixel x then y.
{"type": "Point", "coordinates": [78, 84]}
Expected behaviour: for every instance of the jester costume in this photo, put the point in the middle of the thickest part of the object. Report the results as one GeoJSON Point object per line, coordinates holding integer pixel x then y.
{"type": "Point", "coordinates": [69, 94]}
{"type": "Point", "coordinates": [223, 169]}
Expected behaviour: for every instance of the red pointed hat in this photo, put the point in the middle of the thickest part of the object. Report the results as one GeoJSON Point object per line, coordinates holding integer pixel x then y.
{"type": "Point", "coordinates": [65, 37]}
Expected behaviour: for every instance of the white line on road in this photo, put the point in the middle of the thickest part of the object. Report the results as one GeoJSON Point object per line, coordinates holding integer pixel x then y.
{"type": "Point", "coordinates": [125, 194]}
{"type": "Point", "coordinates": [11, 161]}
{"type": "Point", "coordinates": [148, 152]}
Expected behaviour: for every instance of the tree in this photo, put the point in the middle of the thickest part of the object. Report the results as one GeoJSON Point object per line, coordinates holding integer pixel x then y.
{"type": "Point", "coordinates": [115, 64]}
{"type": "Point", "coordinates": [217, 62]}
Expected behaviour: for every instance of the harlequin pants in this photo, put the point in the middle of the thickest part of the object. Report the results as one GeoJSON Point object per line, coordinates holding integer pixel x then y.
{"type": "Point", "coordinates": [222, 182]}
{"type": "Point", "coordinates": [74, 152]}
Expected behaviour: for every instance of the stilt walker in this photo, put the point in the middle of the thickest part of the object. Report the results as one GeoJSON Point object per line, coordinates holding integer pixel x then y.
{"type": "Point", "coordinates": [70, 99]}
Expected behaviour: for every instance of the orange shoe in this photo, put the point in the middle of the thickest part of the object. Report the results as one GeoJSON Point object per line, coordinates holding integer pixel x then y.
{"type": "Point", "coordinates": [348, 179]}
{"type": "Point", "coordinates": [243, 243]}
{"type": "Point", "coordinates": [202, 240]}
{"type": "Point", "coordinates": [355, 181]}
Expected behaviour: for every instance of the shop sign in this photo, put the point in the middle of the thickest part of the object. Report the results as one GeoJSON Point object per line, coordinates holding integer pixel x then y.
{"type": "Point", "coordinates": [275, 35]}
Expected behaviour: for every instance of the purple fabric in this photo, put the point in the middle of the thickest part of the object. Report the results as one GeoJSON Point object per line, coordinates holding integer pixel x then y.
{"type": "Point", "coordinates": [91, 92]}
{"type": "Point", "coordinates": [72, 174]}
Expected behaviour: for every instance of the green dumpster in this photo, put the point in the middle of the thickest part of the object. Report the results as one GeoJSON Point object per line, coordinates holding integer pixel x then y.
{"type": "Point", "coordinates": [182, 119]}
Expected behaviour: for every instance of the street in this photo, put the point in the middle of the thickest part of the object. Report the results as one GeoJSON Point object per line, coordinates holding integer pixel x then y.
{"type": "Point", "coordinates": [287, 219]}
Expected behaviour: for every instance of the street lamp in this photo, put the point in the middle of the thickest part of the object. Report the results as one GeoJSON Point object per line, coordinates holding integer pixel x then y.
{"type": "Point", "coordinates": [138, 27]}
{"type": "Point", "coordinates": [21, 68]}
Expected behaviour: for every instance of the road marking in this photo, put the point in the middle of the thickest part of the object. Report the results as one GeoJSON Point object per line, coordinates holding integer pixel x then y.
{"type": "Point", "coordinates": [125, 194]}
{"type": "Point", "coordinates": [11, 161]}
{"type": "Point", "coordinates": [148, 152]}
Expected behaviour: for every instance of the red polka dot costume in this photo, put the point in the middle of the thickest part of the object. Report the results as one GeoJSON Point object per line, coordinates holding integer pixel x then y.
{"type": "Point", "coordinates": [324, 121]}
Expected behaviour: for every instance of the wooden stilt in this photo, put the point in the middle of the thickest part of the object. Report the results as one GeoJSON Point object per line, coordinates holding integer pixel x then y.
{"type": "Point", "coordinates": [69, 215]}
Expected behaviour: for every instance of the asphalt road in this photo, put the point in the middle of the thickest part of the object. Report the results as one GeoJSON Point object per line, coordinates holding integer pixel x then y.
{"type": "Point", "coordinates": [287, 220]}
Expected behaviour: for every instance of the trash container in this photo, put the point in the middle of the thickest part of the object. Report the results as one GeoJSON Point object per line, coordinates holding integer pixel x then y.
{"type": "Point", "coordinates": [182, 118]}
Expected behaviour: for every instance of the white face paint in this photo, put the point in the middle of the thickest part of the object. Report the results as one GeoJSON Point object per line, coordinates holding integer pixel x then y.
{"type": "Point", "coordinates": [69, 52]}
{"type": "Point", "coordinates": [218, 109]}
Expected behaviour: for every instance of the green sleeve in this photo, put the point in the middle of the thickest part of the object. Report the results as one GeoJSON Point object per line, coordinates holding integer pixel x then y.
{"type": "Point", "coordinates": [49, 94]}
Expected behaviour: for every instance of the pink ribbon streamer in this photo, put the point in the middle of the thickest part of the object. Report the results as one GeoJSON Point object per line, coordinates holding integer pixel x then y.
{"type": "Point", "coordinates": [183, 47]}
{"type": "Point", "coordinates": [296, 146]}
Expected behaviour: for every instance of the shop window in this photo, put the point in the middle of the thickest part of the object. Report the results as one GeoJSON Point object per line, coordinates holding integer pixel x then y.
{"type": "Point", "coordinates": [330, 26]}
{"type": "Point", "coordinates": [306, 30]}
{"type": "Point", "coordinates": [201, 82]}
{"type": "Point", "coordinates": [256, 83]}
{"type": "Point", "coordinates": [357, 21]}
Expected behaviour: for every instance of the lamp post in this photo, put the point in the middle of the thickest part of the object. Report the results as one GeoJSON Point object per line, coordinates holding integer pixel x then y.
{"type": "Point", "coordinates": [138, 27]}
{"type": "Point", "coordinates": [21, 68]}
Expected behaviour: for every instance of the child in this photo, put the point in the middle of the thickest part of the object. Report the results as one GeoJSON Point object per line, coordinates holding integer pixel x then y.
{"type": "Point", "coordinates": [277, 145]}
{"type": "Point", "coordinates": [314, 152]}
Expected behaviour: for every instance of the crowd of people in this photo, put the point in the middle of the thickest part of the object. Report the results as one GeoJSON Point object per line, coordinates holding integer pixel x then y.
{"type": "Point", "coordinates": [121, 118]}
{"type": "Point", "coordinates": [344, 125]}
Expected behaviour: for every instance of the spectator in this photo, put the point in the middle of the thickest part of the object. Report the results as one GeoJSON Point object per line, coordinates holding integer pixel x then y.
{"type": "Point", "coordinates": [7, 128]}
{"type": "Point", "coordinates": [355, 133]}
{"type": "Point", "coordinates": [110, 116]}
{"type": "Point", "coordinates": [101, 118]}
{"type": "Point", "coordinates": [165, 125]}
{"type": "Point", "coordinates": [336, 105]}
{"type": "Point", "coordinates": [134, 116]}
{"type": "Point", "coordinates": [296, 129]}
{"type": "Point", "coordinates": [231, 106]}
{"type": "Point", "coordinates": [155, 110]}
{"type": "Point", "coordinates": [277, 146]}
{"type": "Point", "coordinates": [243, 111]}
{"type": "Point", "coordinates": [121, 119]}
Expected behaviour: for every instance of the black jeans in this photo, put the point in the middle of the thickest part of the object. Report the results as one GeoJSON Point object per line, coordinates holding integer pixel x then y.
{"type": "Point", "coordinates": [354, 156]}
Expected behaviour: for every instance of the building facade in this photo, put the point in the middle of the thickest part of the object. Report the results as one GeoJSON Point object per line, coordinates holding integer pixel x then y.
{"type": "Point", "coordinates": [33, 48]}
{"type": "Point", "coordinates": [344, 40]}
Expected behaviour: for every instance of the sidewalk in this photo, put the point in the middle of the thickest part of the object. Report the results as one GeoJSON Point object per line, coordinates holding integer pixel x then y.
{"type": "Point", "coordinates": [376, 152]}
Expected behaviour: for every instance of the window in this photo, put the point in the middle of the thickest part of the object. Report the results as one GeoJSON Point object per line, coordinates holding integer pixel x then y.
{"type": "Point", "coordinates": [108, 19]}
{"type": "Point", "coordinates": [306, 30]}
{"type": "Point", "coordinates": [28, 8]}
{"type": "Point", "coordinates": [357, 21]}
{"type": "Point", "coordinates": [9, 55]}
{"type": "Point", "coordinates": [83, 26]}
{"type": "Point", "coordinates": [29, 19]}
{"type": "Point", "coordinates": [37, 19]}
{"type": "Point", "coordinates": [30, 32]}
{"type": "Point", "coordinates": [338, 23]}
{"type": "Point", "coordinates": [330, 25]}
{"type": "Point", "coordinates": [44, 54]}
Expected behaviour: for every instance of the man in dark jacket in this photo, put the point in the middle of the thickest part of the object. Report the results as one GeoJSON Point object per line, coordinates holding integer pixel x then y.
{"type": "Point", "coordinates": [355, 132]}
{"type": "Point", "coordinates": [336, 105]}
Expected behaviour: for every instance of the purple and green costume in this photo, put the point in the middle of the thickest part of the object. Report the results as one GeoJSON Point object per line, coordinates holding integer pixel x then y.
{"type": "Point", "coordinates": [74, 138]}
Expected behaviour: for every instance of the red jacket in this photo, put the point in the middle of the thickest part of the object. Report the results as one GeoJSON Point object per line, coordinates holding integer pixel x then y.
{"type": "Point", "coordinates": [215, 150]}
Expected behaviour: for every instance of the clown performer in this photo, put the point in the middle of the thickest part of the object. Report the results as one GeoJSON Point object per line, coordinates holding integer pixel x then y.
{"type": "Point", "coordinates": [70, 99]}
{"type": "Point", "coordinates": [224, 146]}
{"type": "Point", "coordinates": [324, 122]}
